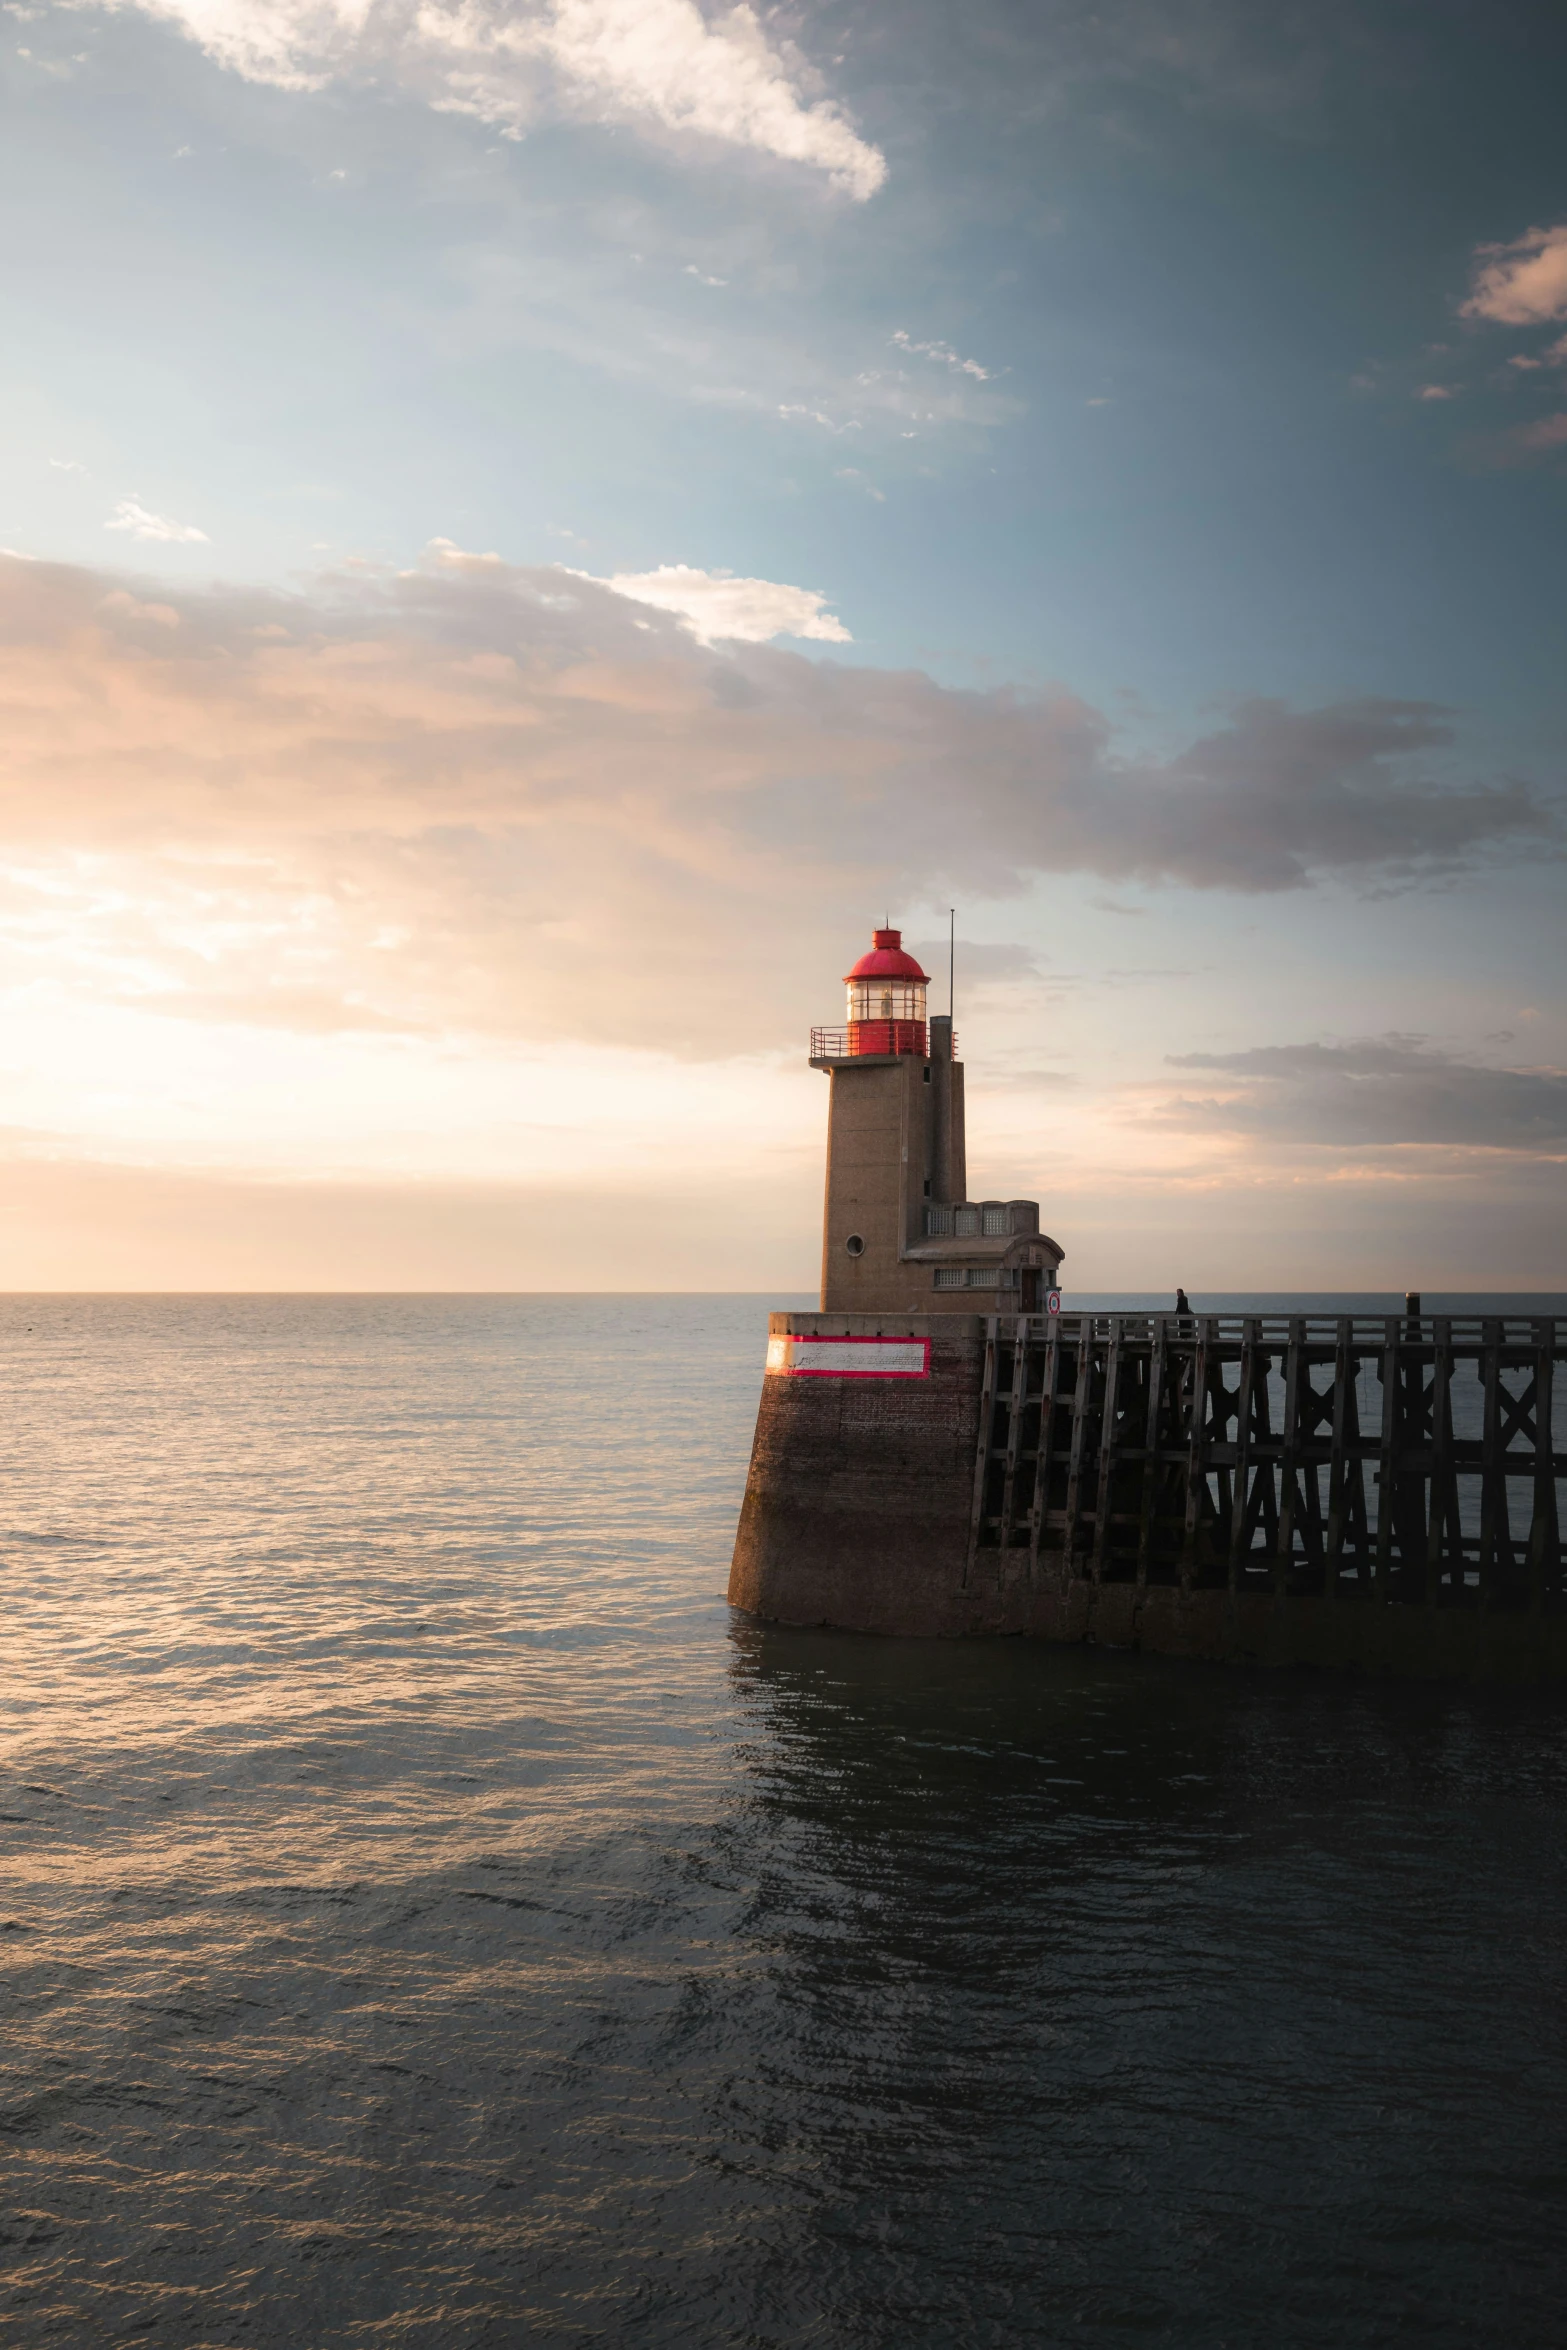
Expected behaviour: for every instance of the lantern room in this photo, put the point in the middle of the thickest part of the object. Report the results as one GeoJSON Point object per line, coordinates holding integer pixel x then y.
{"type": "Point", "coordinates": [886, 999]}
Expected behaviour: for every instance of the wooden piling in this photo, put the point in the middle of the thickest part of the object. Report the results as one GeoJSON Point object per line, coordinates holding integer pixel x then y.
{"type": "Point", "coordinates": [1181, 1482]}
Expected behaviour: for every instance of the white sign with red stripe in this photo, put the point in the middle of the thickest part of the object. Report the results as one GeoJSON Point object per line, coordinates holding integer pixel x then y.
{"type": "Point", "coordinates": [849, 1358]}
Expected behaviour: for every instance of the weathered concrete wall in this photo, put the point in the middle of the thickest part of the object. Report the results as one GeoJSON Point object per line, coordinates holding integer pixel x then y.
{"type": "Point", "coordinates": [895, 1140]}
{"type": "Point", "coordinates": [857, 1505]}
{"type": "Point", "coordinates": [878, 1159]}
{"type": "Point", "coordinates": [858, 1509]}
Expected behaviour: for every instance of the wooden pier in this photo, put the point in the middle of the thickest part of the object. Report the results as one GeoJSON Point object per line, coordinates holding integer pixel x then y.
{"type": "Point", "coordinates": [1402, 1461]}
{"type": "Point", "coordinates": [1382, 1494]}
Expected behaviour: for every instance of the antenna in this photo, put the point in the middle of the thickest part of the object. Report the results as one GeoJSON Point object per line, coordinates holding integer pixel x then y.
{"type": "Point", "coordinates": [952, 961]}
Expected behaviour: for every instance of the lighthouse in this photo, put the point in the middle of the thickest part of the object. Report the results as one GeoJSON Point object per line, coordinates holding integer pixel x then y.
{"type": "Point", "coordinates": [940, 1449]}
{"type": "Point", "coordinates": [860, 1502]}
{"type": "Point", "coordinates": [900, 1233]}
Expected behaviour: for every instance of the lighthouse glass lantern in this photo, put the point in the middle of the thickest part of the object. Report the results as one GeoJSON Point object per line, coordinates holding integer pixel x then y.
{"type": "Point", "coordinates": [887, 993]}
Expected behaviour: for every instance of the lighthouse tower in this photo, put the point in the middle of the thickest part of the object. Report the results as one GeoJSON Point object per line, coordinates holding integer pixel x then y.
{"type": "Point", "coordinates": [900, 1234]}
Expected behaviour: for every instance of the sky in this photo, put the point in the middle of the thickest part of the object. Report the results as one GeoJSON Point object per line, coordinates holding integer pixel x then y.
{"type": "Point", "coordinates": [529, 526]}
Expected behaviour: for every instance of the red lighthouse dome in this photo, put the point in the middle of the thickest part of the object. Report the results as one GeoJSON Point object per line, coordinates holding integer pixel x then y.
{"type": "Point", "coordinates": [886, 999]}
{"type": "Point", "coordinates": [887, 960]}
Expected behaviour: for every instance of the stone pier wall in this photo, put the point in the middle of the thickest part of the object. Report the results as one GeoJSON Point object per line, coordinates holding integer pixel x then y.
{"type": "Point", "coordinates": [861, 1491]}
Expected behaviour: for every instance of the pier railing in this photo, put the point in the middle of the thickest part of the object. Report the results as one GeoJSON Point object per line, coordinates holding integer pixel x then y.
{"type": "Point", "coordinates": [1400, 1459]}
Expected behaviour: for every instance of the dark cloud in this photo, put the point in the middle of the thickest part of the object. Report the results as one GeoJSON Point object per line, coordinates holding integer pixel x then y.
{"type": "Point", "coordinates": [1386, 1090]}
{"type": "Point", "coordinates": [989, 789]}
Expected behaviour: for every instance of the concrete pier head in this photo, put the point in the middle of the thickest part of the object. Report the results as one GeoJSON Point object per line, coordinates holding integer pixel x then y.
{"type": "Point", "coordinates": [861, 1487]}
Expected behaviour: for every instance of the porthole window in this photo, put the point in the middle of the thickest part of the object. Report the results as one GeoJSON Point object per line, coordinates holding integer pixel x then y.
{"type": "Point", "coordinates": [855, 1245]}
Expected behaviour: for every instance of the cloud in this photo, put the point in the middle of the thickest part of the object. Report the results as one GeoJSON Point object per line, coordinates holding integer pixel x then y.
{"type": "Point", "coordinates": [59, 69]}
{"type": "Point", "coordinates": [660, 65]}
{"type": "Point", "coordinates": [1540, 438]}
{"type": "Point", "coordinates": [1524, 444]}
{"type": "Point", "coordinates": [1524, 283]}
{"type": "Point", "coordinates": [1048, 1082]}
{"type": "Point", "coordinates": [715, 605]}
{"type": "Point", "coordinates": [127, 607]}
{"type": "Point", "coordinates": [1385, 1090]}
{"type": "Point", "coordinates": [578, 294]}
{"type": "Point", "coordinates": [945, 353]}
{"type": "Point", "coordinates": [523, 802]}
{"type": "Point", "coordinates": [130, 515]}
{"type": "Point", "coordinates": [1436, 392]}
{"type": "Point", "coordinates": [982, 962]}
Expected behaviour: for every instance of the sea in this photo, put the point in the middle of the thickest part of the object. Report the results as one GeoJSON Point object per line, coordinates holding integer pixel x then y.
{"type": "Point", "coordinates": [429, 1916]}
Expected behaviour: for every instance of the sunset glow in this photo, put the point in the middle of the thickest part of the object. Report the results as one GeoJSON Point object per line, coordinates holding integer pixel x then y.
{"type": "Point", "coordinates": [454, 751]}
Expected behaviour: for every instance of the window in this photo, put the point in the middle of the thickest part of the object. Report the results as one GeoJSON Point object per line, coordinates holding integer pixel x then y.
{"type": "Point", "coordinates": [994, 1220]}
{"type": "Point", "coordinates": [949, 1277]}
{"type": "Point", "coordinates": [984, 1277]}
{"type": "Point", "coordinates": [938, 1221]}
{"type": "Point", "coordinates": [965, 1221]}
{"type": "Point", "coordinates": [886, 999]}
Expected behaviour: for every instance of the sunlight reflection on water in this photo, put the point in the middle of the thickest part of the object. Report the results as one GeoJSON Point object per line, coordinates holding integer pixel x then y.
{"type": "Point", "coordinates": [430, 1918]}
